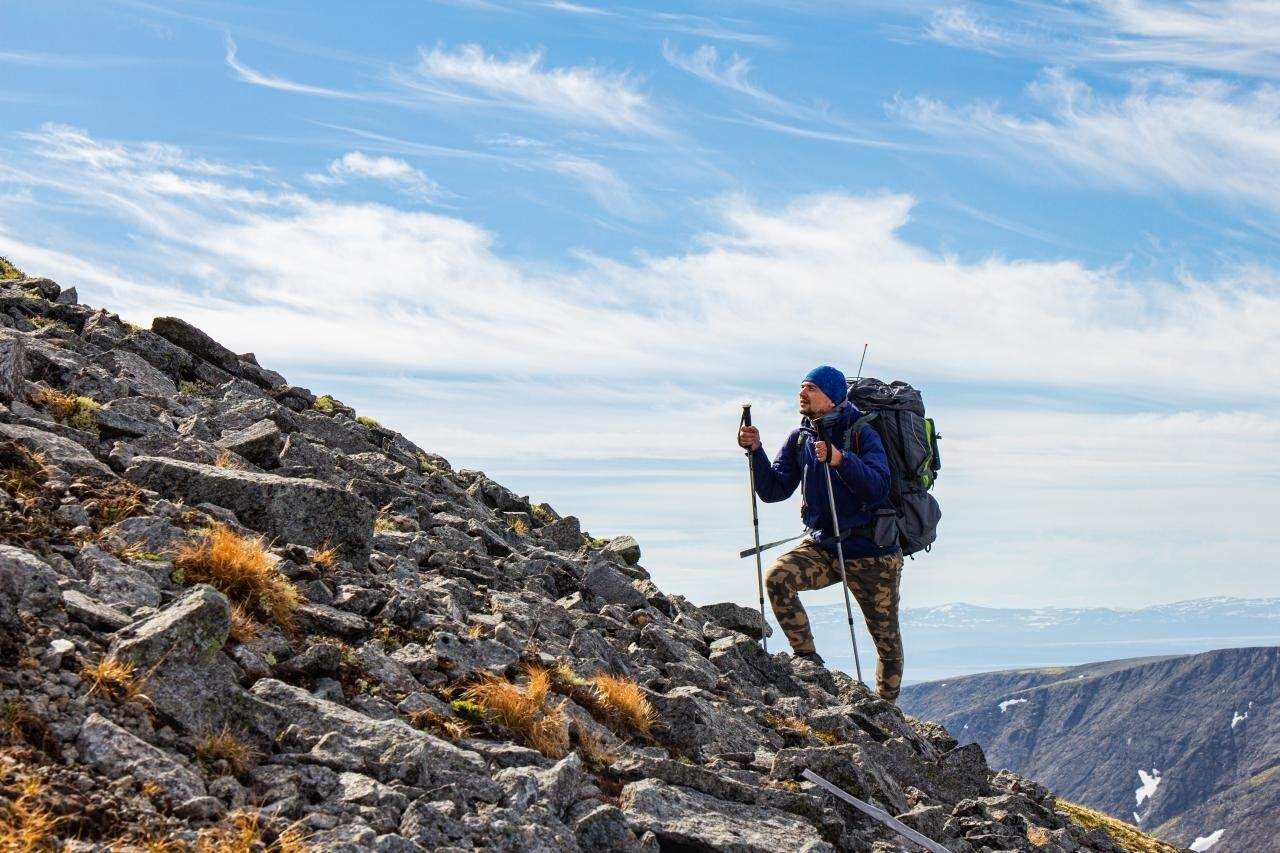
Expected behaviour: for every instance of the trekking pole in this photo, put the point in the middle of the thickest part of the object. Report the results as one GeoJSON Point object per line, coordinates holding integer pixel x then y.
{"type": "Point", "coordinates": [835, 525]}
{"type": "Point", "coordinates": [864, 359]}
{"type": "Point", "coordinates": [755, 525]}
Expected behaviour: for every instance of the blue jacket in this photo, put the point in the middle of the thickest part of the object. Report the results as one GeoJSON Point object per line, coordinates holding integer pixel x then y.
{"type": "Point", "coordinates": [860, 482]}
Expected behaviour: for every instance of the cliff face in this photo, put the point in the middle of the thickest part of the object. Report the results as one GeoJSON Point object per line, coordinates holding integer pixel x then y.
{"type": "Point", "coordinates": [1184, 746]}
{"type": "Point", "coordinates": [234, 615]}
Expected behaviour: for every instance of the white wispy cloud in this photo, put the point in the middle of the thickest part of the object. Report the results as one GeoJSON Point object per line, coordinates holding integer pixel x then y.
{"type": "Point", "coordinates": [618, 361]}
{"type": "Point", "coordinates": [961, 26]}
{"type": "Point", "coordinates": [578, 94]}
{"type": "Point", "coordinates": [248, 75]}
{"type": "Point", "coordinates": [712, 28]}
{"type": "Point", "coordinates": [62, 61]}
{"type": "Point", "coordinates": [759, 268]}
{"type": "Point", "coordinates": [356, 165]}
{"type": "Point", "coordinates": [732, 73]}
{"type": "Point", "coordinates": [577, 8]}
{"type": "Point", "coordinates": [603, 184]}
{"type": "Point", "coordinates": [1203, 137]}
{"type": "Point", "coordinates": [1225, 35]}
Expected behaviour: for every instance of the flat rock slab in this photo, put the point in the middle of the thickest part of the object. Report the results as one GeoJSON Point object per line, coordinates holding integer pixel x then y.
{"type": "Point", "coordinates": [386, 750]}
{"type": "Point", "coordinates": [117, 753]}
{"type": "Point", "coordinates": [297, 511]}
{"type": "Point", "coordinates": [27, 585]}
{"type": "Point", "coordinates": [63, 452]}
{"type": "Point", "coordinates": [685, 819]}
{"type": "Point", "coordinates": [735, 617]}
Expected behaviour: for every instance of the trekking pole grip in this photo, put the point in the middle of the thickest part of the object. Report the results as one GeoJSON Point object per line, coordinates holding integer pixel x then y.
{"type": "Point", "coordinates": [822, 436]}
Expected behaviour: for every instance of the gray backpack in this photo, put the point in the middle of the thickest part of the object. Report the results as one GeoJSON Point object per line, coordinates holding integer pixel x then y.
{"type": "Point", "coordinates": [896, 412]}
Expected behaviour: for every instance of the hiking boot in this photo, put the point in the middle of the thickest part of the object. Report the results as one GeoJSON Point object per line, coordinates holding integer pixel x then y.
{"type": "Point", "coordinates": [811, 657]}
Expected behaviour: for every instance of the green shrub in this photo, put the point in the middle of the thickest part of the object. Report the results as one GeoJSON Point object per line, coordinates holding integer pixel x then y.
{"type": "Point", "coordinates": [368, 421]}
{"type": "Point", "coordinates": [323, 403]}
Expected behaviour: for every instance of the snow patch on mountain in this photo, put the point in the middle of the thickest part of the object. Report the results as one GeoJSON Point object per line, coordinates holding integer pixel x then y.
{"type": "Point", "coordinates": [1204, 843]}
{"type": "Point", "coordinates": [1149, 784]}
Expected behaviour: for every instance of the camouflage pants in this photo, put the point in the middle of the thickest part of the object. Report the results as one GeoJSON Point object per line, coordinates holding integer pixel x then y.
{"type": "Point", "coordinates": [874, 584]}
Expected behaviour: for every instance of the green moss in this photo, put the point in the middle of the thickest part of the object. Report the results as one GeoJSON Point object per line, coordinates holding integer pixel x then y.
{"type": "Point", "coordinates": [9, 271]}
{"type": "Point", "coordinates": [1259, 778]}
{"type": "Point", "coordinates": [543, 514]}
{"type": "Point", "coordinates": [593, 544]}
{"type": "Point", "coordinates": [85, 415]}
{"type": "Point", "coordinates": [368, 421]}
{"type": "Point", "coordinates": [1124, 834]}
{"type": "Point", "coordinates": [469, 711]}
{"type": "Point", "coordinates": [426, 466]}
{"type": "Point", "coordinates": [323, 403]}
{"type": "Point", "coordinates": [195, 388]}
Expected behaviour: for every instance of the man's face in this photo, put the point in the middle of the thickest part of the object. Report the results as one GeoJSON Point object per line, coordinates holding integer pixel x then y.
{"type": "Point", "coordinates": [814, 403]}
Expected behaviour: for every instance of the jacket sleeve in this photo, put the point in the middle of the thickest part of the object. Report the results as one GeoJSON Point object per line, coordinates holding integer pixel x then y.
{"type": "Point", "coordinates": [778, 481]}
{"type": "Point", "coordinates": [866, 475]}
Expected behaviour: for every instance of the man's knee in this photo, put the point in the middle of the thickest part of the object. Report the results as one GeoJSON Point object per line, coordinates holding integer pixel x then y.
{"type": "Point", "coordinates": [780, 579]}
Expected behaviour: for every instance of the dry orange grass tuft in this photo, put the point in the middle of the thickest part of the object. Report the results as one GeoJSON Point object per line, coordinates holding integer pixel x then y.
{"type": "Point", "coordinates": [244, 628]}
{"type": "Point", "coordinates": [325, 557]}
{"type": "Point", "coordinates": [226, 459]}
{"type": "Point", "coordinates": [115, 678]}
{"type": "Point", "coordinates": [782, 722]}
{"type": "Point", "coordinates": [243, 833]}
{"type": "Point", "coordinates": [58, 405]}
{"type": "Point", "coordinates": [445, 726]}
{"type": "Point", "coordinates": [22, 471]}
{"type": "Point", "coordinates": [596, 754]}
{"type": "Point", "coordinates": [525, 711]}
{"type": "Point", "coordinates": [26, 823]}
{"type": "Point", "coordinates": [241, 568]}
{"type": "Point", "coordinates": [226, 747]}
{"type": "Point", "coordinates": [621, 699]}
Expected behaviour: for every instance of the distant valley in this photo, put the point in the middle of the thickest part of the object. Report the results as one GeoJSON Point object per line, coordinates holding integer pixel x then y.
{"type": "Point", "coordinates": [962, 639]}
{"type": "Point", "coordinates": [1186, 747]}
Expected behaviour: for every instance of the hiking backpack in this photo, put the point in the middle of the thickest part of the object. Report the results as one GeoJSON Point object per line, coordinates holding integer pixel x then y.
{"type": "Point", "coordinates": [896, 412]}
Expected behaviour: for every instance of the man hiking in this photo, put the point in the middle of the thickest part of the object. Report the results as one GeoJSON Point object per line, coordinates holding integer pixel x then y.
{"type": "Point", "coordinates": [860, 483]}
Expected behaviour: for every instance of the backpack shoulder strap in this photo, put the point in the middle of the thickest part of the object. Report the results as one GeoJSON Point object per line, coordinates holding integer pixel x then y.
{"type": "Point", "coordinates": [856, 432]}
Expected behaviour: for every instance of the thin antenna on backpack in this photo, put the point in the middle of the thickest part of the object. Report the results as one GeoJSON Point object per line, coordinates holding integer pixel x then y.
{"type": "Point", "coordinates": [863, 361]}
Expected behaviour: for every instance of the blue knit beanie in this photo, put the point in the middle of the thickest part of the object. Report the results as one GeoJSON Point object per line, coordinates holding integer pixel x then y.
{"type": "Point", "coordinates": [830, 381]}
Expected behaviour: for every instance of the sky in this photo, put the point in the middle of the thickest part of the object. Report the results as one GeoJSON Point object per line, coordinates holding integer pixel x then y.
{"type": "Point", "coordinates": [564, 242]}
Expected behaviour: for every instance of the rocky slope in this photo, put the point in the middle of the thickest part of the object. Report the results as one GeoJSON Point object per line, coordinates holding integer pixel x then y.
{"type": "Point", "coordinates": [1184, 746]}
{"type": "Point", "coordinates": [235, 616]}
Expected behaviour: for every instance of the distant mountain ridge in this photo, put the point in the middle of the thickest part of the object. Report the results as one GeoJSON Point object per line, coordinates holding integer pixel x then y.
{"type": "Point", "coordinates": [1187, 747]}
{"type": "Point", "coordinates": [952, 640]}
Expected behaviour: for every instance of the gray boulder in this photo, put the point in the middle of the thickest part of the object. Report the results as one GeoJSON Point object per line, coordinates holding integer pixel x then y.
{"type": "Point", "coordinates": [565, 532]}
{"type": "Point", "coordinates": [183, 334]}
{"type": "Point", "coordinates": [62, 452]}
{"type": "Point", "coordinates": [606, 582]}
{"type": "Point", "coordinates": [625, 547]}
{"type": "Point", "coordinates": [298, 511]}
{"type": "Point", "coordinates": [187, 679]}
{"type": "Point", "coordinates": [132, 369]}
{"type": "Point", "coordinates": [700, 727]}
{"type": "Point", "coordinates": [115, 582]}
{"type": "Point", "coordinates": [387, 750]}
{"type": "Point", "coordinates": [13, 365]}
{"type": "Point", "coordinates": [735, 617]}
{"type": "Point", "coordinates": [27, 585]}
{"type": "Point", "coordinates": [466, 657]}
{"type": "Point", "coordinates": [688, 820]}
{"type": "Point", "coordinates": [131, 417]}
{"type": "Point", "coordinates": [260, 443]}
{"type": "Point", "coordinates": [116, 753]}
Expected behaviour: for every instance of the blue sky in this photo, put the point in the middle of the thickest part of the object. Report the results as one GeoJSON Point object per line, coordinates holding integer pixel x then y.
{"type": "Point", "coordinates": [563, 242]}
